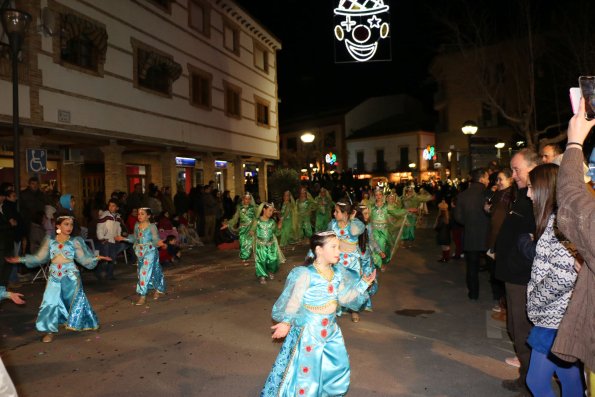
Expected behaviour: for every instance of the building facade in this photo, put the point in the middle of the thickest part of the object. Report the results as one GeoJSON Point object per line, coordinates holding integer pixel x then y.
{"type": "Point", "coordinates": [174, 92]}
{"type": "Point", "coordinates": [382, 136]}
{"type": "Point", "coordinates": [460, 97]}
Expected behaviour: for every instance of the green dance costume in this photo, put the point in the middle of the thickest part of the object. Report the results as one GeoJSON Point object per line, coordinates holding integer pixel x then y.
{"type": "Point", "coordinates": [289, 222]}
{"type": "Point", "coordinates": [246, 214]}
{"type": "Point", "coordinates": [380, 227]}
{"type": "Point", "coordinates": [324, 210]}
{"type": "Point", "coordinates": [412, 200]}
{"type": "Point", "coordinates": [304, 210]}
{"type": "Point", "coordinates": [267, 254]}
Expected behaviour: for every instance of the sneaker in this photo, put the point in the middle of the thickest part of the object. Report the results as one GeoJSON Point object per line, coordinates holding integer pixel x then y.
{"type": "Point", "coordinates": [497, 308]}
{"type": "Point", "coordinates": [271, 276]}
{"type": "Point", "coordinates": [263, 280]}
{"type": "Point", "coordinates": [513, 361]}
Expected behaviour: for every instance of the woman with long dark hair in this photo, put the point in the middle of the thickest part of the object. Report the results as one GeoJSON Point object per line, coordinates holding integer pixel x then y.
{"type": "Point", "coordinates": [313, 360]}
{"type": "Point", "coordinates": [553, 276]}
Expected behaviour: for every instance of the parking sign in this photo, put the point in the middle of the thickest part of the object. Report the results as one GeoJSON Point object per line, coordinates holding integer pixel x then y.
{"type": "Point", "coordinates": [37, 161]}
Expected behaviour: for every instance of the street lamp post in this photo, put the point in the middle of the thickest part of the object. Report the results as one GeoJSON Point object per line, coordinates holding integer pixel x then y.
{"type": "Point", "coordinates": [499, 146]}
{"type": "Point", "coordinates": [469, 128]}
{"type": "Point", "coordinates": [308, 137]}
{"type": "Point", "coordinates": [14, 23]}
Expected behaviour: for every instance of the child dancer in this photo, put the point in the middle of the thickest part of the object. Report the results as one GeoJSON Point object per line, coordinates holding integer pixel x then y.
{"type": "Point", "coordinates": [379, 220]}
{"type": "Point", "coordinates": [324, 210]}
{"type": "Point", "coordinates": [313, 360]}
{"type": "Point", "coordinates": [411, 201]}
{"type": "Point", "coordinates": [246, 214]}
{"type": "Point", "coordinates": [305, 204]}
{"type": "Point", "coordinates": [64, 301]}
{"type": "Point", "coordinates": [267, 254]}
{"type": "Point", "coordinates": [348, 229]}
{"type": "Point", "coordinates": [368, 251]}
{"type": "Point", "coordinates": [146, 247]}
{"type": "Point", "coordinates": [288, 232]}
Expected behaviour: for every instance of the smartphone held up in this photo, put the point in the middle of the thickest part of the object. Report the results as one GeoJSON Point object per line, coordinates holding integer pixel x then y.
{"type": "Point", "coordinates": [587, 87]}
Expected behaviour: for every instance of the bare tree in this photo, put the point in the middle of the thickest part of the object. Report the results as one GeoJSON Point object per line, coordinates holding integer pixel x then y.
{"type": "Point", "coordinates": [503, 49]}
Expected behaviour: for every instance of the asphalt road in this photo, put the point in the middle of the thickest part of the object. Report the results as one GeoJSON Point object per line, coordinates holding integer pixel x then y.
{"type": "Point", "coordinates": [209, 336]}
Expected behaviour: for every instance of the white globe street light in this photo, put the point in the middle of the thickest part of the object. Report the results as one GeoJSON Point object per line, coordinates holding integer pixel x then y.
{"type": "Point", "coordinates": [499, 146]}
{"type": "Point", "coordinates": [308, 137]}
{"type": "Point", "coordinates": [469, 128]}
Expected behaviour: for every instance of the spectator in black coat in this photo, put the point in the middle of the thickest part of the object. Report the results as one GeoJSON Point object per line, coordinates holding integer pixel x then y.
{"type": "Point", "coordinates": [469, 213]}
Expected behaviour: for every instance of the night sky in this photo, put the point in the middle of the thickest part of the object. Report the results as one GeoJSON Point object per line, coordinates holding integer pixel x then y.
{"type": "Point", "coordinates": [310, 82]}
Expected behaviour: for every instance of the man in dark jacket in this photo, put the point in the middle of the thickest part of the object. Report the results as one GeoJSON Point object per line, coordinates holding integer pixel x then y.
{"type": "Point", "coordinates": [31, 201]}
{"type": "Point", "coordinates": [469, 213]}
{"type": "Point", "coordinates": [514, 268]}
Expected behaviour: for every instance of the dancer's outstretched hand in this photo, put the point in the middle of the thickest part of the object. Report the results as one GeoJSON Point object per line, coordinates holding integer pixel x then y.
{"type": "Point", "coordinates": [280, 330]}
{"type": "Point", "coordinates": [16, 298]}
{"type": "Point", "coordinates": [12, 259]}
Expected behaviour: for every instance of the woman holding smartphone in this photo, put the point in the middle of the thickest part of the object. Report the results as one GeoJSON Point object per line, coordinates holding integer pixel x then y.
{"type": "Point", "coordinates": [553, 276]}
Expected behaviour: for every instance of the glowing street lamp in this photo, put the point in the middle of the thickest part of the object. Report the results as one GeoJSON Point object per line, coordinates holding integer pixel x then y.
{"type": "Point", "coordinates": [308, 137]}
{"type": "Point", "coordinates": [469, 128]}
{"type": "Point", "coordinates": [499, 146]}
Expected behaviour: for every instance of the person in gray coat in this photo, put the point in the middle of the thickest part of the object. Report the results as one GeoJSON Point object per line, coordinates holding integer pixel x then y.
{"type": "Point", "coordinates": [469, 213]}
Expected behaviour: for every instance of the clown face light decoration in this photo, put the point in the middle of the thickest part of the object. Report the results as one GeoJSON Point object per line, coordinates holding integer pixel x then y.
{"type": "Point", "coordinates": [363, 28]}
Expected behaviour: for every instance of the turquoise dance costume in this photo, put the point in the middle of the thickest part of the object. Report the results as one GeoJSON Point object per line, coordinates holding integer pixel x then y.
{"type": "Point", "coordinates": [313, 360]}
{"type": "Point", "coordinates": [350, 263]}
{"type": "Point", "coordinates": [64, 301]}
{"type": "Point", "coordinates": [150, 274]}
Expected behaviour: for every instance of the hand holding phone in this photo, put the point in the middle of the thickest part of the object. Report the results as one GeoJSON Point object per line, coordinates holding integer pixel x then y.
{"type": "Point", "coordinates": [587, 85]}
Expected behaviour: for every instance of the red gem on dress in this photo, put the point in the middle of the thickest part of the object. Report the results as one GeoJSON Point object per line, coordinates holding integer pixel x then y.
{"type": "Point", "coordinates": [150, 246]}
{"type": "Point", "coordinates": [59, 266]}
{"type": "Point", "coordinates": [331, 289]}
{"type": "Point", "coordinates": [308, 349]}
{"type": "Point", "coordinates": [323, 333]}
{"type": "Point", "coordinates": [305, 370]}
{"type": "Point", "coordinates": [144, 272]}
{"type": "Point", "coordinates": [146, 262]}
{"type": "Point", "coordinates": [140, 234]}
{"type": "Point", "coordinates": [302, 392]}
{"type": "Point", "coordinates": [142, 283]}
{"type": "Point", "coordinates": [345, 263]}
{"type": "Point", "coordinates": [324, 322]}
{"type": "Point", "coordinates": [345, 256]}
{"type": "Point", "coordinates": [140, 254]}
{"type": "Point", "coordinates": [342, 232]}
{"type": "Point", "coordinates": [60, 246]}
{"type": "Point", "coordinates": [59, 274]}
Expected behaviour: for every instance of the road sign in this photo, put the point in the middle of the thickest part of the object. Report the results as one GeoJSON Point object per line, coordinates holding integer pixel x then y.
{"type": "Point", "coordinates": [37, 161]}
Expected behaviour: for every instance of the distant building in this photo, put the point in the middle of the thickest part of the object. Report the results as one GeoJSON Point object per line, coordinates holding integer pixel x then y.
{"type": "Point", "coordinates": [460, 98]}
{"type": "Point", "coordinates": [381, 136]}
{"type": "Point", "coordinates": [124, 92]}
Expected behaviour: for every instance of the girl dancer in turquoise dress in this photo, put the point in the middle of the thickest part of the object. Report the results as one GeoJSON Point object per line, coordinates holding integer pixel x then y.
{"type": "Point", "coordinates": [64, 301]}
{"type": "Point", "coordinates": [348, 229]}
{"type": "Point", "coordinates": [313, 360]}
{"type": "Point", "coordinates": [146, 247]}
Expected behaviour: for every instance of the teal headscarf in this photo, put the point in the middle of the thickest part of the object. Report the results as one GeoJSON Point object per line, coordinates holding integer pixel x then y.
{"type": "Point", "coordinates": [65, 201]}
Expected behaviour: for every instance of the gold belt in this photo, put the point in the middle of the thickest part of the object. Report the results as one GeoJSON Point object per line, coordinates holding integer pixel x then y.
{"type": "Point", "coordinates": [322, 309]}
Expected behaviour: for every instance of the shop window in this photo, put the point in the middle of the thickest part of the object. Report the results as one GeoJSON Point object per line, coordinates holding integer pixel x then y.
{"type": "Point", "coordinates": [233, 100]}
{"type": "Point", "coordinates": [200, 88]}
{"type": "Point", "coordinates": [82, 43]}
{"type": "Point", "coordinates": [262, 112]}
{"type": "Point", "coordinates": [155, 71]}
{"type": "Point", "coordinates": [199, 16]}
